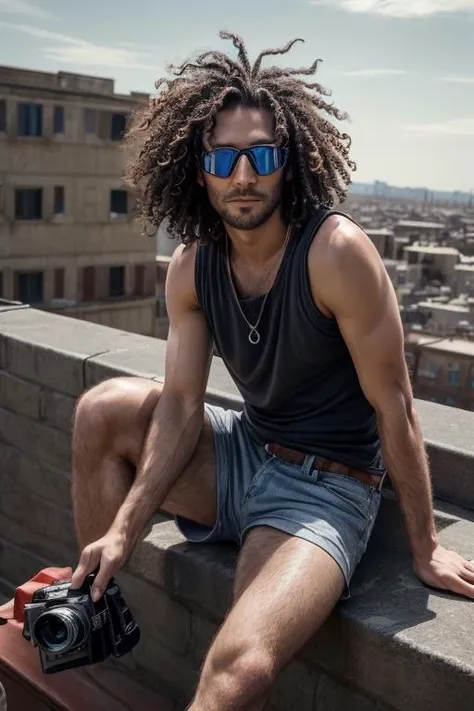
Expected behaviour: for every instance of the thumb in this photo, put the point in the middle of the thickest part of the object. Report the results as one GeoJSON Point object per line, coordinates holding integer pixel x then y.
{"type": "Point", "coordinates": [88, 561]}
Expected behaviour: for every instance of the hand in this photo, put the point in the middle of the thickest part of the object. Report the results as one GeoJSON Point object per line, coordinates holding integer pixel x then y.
{"type": "Point", "coordinates": [109, 553]}
{"type": "Point", "coordinates": [447, 570]}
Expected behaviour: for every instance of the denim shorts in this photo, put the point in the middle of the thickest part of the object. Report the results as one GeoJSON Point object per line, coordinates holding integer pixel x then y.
{"type": "Point", "coordinates": [255, 488]}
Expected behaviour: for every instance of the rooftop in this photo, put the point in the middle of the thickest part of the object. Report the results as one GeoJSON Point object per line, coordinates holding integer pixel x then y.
{"type": "Point", "coordinates": [437, 306]}
{"type": "Point", "coordinates": [379, 231]}
{"type": "Point", "coordinates": [65, 82]}
{"type": "Point", "coordinates": [419, 224]}
{"type": "Point", "coordinates": [432, 249]}
{"type": "Point", "coordinates": [447, 345]}
{"type": "Point", "coordinates": [395, 646]}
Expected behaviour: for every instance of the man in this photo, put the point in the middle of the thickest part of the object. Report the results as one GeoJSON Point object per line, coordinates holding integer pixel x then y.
{"type": "Point", "coordinates": [244, 166]}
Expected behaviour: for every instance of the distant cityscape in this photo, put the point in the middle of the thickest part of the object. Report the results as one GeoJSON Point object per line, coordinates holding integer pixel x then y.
{"type": "Point", "coordinates": [380, 189]}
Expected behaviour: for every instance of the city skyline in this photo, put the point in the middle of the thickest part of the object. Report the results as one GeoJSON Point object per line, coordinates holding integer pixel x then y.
{"type": "Point", "coordinates": [403, 70]}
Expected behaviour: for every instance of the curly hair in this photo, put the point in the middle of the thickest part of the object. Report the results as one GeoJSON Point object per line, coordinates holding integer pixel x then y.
{"type": "Point", "coordinates": [166, 135]}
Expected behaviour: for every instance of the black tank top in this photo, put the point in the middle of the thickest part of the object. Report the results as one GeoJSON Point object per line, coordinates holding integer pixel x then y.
{"type": "Point", "coordinates": [299, 384]}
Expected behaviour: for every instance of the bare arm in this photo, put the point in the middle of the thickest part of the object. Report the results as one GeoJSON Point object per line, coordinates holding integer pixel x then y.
{"type": "Point", "coordinates": [174, 429]}
{"type": "Point", "coordinates": [178, 418]}
{"type": "Point", "coordinates": [351, 281]}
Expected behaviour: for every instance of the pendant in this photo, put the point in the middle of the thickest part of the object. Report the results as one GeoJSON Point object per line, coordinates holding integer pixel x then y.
{"type": "Point", "coordinates": [254, 337]}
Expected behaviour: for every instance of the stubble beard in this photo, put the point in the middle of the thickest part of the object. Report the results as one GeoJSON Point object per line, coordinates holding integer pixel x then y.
{"type": "Point", "coordinates": [246, 218]}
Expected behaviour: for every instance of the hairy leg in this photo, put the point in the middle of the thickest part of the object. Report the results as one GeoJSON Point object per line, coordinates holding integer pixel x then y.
{"type": "Point", "coordinates": [110, 426]}
{"type": "Point", "coordinates": [285, 588]}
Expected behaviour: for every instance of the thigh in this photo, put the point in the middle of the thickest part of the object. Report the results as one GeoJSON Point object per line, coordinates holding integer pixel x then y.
{"type": "Point", "coordinates": [130, 405]}
{"type": "Point", "coordinates": [285, 588]}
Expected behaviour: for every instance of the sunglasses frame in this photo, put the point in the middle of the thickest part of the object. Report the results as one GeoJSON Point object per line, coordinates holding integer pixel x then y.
{"type": "Point", "coordinates": [247, 152]}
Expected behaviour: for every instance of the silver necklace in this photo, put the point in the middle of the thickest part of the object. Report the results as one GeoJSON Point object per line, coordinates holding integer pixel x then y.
{"type": "Point", "coordinates": [254, 335]}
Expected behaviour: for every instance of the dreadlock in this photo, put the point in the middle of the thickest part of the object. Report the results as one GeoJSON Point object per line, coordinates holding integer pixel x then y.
{"type": "Point", "coordinates": [166, 135]}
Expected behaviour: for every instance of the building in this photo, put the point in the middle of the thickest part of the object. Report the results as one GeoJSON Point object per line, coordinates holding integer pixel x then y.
{"type": "Point", "coordinates": [68, 239]}
{"type": "Point", "coordinates": [442, 369]}
{"type": "Point", "coordinates": [438, 263]}
{"type": "Point", "coordinates": [161, 323]}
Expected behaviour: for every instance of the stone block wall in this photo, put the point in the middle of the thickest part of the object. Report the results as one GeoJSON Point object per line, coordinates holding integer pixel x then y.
{"type": "Point", "coordinates": [393, 646]}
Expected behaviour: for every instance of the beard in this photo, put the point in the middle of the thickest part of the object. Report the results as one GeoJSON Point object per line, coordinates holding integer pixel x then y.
{"type": "Point", "coordinates": [246, 217]}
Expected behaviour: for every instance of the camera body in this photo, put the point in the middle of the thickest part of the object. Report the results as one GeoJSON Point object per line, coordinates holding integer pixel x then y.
{"type": "Point", "coordinates": [71, 630]}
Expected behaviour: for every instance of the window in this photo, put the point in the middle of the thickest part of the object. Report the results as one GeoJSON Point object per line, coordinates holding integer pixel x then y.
{"type": "Point", "coordinates": [29, 287]}
{"type": "Point", "coordinates": [161, 311]}
{"type": "Point", "coordinates": [88, 284]}
{"type": "Point", "coordinates": [59, 200]}
{"type": "Point", "coordinates": [139, 280]}
{"type": "Point", "coordinates": [58, 119]}
{"type": "Point", "coordinates": [58, 284]}
{"type": "Point", "coordinates": [117, 281]}
{"type": "Point", "coordinates": [30, 119]}
{"type": "Point", "coordinates": [432, 370]}
{"type": "Point", "coordinates": [29, 203]}
{"type": "Point", "coordinates": [90, 121]}
{"type": "Point", "coordinates": [453, 373]}
{"type": "Point", "coordinates": [117, 126]}
{"type": "Point", "coordinates": [118, 202]}
{"type": "Point", "coordinates": [3, 115]}
{"type": "Point", "coordinates": [453, 376]}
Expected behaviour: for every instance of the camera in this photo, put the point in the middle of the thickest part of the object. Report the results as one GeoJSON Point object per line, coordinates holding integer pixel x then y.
{"type": "Point", "coordinates": [71, 630]}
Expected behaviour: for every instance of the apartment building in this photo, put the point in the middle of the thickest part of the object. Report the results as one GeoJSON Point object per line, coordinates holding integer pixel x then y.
{"type": "Point", "coordinates": [69, 242]}
{"type": "Point", "coordinates": [442, 369]}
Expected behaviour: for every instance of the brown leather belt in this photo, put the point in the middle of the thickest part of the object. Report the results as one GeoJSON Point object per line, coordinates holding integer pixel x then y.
{"type": "Point", "coordinates": [293, 456]}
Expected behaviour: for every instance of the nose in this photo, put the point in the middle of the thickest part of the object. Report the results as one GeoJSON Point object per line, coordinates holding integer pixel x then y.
{"type": "Point", "coordinates": [244, 175]}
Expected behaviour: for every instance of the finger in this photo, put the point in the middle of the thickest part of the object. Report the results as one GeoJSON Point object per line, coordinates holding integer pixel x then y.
{"type": "Point", "coordinates": [108, 568]}
{"type": "Point", "coordinates": [461, 586]}
{"type": "Point", "coordinates": [88, 561]}
{"type": "Point", "coordinates": [468, 574]}
{"type": "Point", "coordinates": [469, 564]}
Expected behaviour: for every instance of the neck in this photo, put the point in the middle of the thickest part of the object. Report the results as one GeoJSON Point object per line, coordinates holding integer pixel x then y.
{"type": "Point", "coordinates": [259, 245]}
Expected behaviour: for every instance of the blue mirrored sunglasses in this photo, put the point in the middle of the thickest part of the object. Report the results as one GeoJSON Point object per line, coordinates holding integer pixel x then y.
{"type": "Point", "coordinates": [265, 160]}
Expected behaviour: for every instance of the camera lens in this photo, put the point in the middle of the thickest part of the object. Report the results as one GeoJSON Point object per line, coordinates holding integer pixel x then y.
{"type": "Point", "coordinates": [59, 629]}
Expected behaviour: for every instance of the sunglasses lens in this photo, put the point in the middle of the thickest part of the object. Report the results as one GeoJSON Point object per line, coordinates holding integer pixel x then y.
{"type": "Point", "coordinates": [268, 159]}
{"type": "Point", "coordinates": [219, 162]}
{"type": "Point", "coordinates": [265, 160]}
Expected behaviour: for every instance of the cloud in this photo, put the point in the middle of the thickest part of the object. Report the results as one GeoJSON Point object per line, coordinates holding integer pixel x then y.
{"type": "Point", "coordinates": [452, 127]}
{"type": "Point", "coordinates": [77, 52]}
{"type": "Point", "coordinates": [20, 7]}
{"type": "Point", "coordinates": [457, 80]}
{"type": "Point", "coordinates": [372, 72]}
{"type": "Point", "coordinates": [401, 8]}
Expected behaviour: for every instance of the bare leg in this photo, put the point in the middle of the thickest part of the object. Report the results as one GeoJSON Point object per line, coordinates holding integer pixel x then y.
{"type": "Point", "coordinates": [285, 588]}
{"type": "Point", "coordinates": [110, 426]}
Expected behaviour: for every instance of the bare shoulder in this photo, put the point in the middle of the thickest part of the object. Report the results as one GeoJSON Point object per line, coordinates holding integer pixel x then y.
{"type": "Point", "coordinates": [342, 258]}
{"type": "Point", "coordinates": [180, 280]}
{"type": "Point", "coordinates": [339, 240]}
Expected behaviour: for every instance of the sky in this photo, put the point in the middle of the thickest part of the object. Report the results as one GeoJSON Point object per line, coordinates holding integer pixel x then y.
{"type": "Point", "coordinates": [402, 69]}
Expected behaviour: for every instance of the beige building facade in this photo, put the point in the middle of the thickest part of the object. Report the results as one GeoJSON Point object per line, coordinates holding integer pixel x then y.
{"type": "Point", "coordinates": [69, 242]}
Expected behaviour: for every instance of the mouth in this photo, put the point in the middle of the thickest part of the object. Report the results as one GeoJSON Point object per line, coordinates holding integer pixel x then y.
{"type": "Point", "coordinates": [245, 200]}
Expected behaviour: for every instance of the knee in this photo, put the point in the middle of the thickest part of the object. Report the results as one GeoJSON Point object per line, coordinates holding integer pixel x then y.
{"type": "Point", "coordinates": [95, 406]}
{"type": "Point", "coordinates": [245, 676]}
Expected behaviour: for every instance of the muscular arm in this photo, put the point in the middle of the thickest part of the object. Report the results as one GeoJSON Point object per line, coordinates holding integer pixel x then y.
{"type": "Point", "coordinates": [350, 281]}
{"type": "Point", "coordinates": [178, 418]}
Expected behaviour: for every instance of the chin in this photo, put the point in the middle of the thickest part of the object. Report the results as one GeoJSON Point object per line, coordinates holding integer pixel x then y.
{"type": "Point", "coordinates": [246, 218]}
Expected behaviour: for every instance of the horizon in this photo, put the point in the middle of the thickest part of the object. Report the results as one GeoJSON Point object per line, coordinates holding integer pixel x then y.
{"type": "Point", "coordinates": [412, 110]}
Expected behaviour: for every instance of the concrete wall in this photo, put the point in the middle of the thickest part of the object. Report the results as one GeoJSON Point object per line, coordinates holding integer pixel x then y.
{"type": "Point", "coordinates": [394, 646]}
